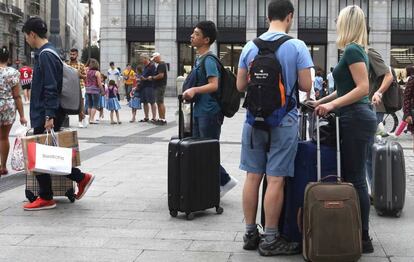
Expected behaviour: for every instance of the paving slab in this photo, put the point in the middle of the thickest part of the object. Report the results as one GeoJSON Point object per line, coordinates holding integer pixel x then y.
{"type": "Point", "coordinates": [124, 216]}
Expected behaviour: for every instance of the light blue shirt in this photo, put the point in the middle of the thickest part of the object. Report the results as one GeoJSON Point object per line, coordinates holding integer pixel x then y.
{"type": "Point", "coordinates": [318, 83]}
{"type": "Point", "coordinates": [293, 56]}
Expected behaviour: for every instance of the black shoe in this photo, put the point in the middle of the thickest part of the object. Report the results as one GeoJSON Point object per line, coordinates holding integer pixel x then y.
{"type": "Point", "coordinates": [251, 240]}
{"type": "Point", "coordinates": [279, 246]}
{"type": "Point", "coordinates": [367, 246]}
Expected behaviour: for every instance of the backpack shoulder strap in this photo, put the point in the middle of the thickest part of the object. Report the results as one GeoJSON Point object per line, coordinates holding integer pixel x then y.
{"type": "Point", "coordinates": [271, 46]}
{"type": "Point", "coordinates": [49, 50]}
{"type": "Point", "coordinates": [202, 62]}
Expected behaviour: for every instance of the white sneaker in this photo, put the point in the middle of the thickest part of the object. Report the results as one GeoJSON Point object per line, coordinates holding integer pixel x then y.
{"type": "Point", "coordinates": [229, 186]}
{"type": "Point", "coordinates": [80, 125]}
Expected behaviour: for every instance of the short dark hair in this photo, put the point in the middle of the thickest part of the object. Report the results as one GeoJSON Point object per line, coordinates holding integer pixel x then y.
{"type": "Point", "coordinates": [128, 64]}
{"type": "Point", "coordinates": [4, 54]}
{"type": "Point", "coordinates": [410, 70]}
{"type": "Point", "coordinates": [208, 28]}
{"type": "Point", "coordinates": [36, 25]}
{"type": "Point", "coordinates": [279, 10]}
{"type": "Point", "coordinates": [111, 63]}
{"type": "Point", "coordinates": [112, 82]}
{"type": "Point", "coordinates": [74, 50]}
{"type": "Point", "coordinates": [332, 69]}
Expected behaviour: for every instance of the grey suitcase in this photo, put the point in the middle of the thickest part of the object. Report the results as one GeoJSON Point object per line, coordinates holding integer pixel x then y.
{"type": "Point", "coordinates": [388, 184]}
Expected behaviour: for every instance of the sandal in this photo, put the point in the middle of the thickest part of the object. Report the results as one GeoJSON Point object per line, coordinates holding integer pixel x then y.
{"type": "Point", "coordinates": [113, 123]}
{"type": "Point", "coordinates": [144, 120]}
{"type": "Point", "coordinates": [132, 121]}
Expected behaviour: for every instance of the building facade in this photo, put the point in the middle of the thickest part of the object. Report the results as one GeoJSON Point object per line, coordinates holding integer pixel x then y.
{"type": "Point", "coordinates": [132, 27]}
{"type": "Point", "coordinates": [13, 13]}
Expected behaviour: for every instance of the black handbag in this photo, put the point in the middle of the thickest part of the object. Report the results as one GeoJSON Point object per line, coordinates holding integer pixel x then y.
{"type": "Point", "coordinates": [327, 130]}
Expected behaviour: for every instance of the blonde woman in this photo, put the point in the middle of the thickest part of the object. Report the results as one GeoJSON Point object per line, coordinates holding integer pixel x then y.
{"type": "Point", "coordinates": [357, 118]}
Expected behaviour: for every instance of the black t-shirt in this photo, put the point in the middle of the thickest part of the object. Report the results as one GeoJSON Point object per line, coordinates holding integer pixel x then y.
{"type": "Point", "coordinates": [161, 68]}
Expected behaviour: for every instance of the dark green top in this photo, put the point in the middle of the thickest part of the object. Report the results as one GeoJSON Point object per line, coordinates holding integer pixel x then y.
{"type": "Point", "coordinates": [344, 82]}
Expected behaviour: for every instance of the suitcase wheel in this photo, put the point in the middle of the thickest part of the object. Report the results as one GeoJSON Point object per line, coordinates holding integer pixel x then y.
{"type": "Point", "coordinates": [189, 216]}
{"type": "Point", "coordinates": [173, 213]}
{"type": "Point", "coordinates": [397, 213]}
{"type": "Point", "coordinates": [70, 194]}
{"type": "Point", "coordinates": [219, 210]}
{"type": "Point", "coordinates": [30, 196]}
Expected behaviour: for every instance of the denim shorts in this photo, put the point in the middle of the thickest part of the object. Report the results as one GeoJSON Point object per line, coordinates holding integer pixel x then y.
{"type": "Point", "coordinates": [280, 159]}
{"type": "Point", "coordinates": [93, 100]}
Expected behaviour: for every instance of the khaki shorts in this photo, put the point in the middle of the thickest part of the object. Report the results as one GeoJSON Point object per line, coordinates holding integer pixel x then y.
{"type": "Point", "coordinates": [159, 93]}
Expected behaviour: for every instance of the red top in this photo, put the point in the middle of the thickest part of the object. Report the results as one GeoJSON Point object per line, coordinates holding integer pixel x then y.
{"type": "Point", "coordinates": [25, 75]}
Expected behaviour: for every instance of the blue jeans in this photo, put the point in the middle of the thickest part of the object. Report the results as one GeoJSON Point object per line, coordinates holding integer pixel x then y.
{"type": "Point", "coordinates": [358, 124]}
{"type": "Point", "coordinates": [209, 126]}
{"type": "Point", "coordinates": [368, 164]}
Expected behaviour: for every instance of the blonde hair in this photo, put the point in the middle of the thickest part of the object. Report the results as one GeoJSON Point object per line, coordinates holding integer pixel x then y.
{"type": "Point", "coordinates": [351, 27]}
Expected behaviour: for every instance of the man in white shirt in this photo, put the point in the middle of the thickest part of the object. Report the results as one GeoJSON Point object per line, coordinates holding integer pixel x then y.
{"type": "Point", "coordinates": [114, 74]}
{"type": "Point", "coordinates": [331, 82]}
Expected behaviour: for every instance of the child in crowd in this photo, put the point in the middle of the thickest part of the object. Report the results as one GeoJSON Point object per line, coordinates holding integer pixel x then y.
{"type": "Point", "coordinates": [408, 107]}
{"type": "Point", "coordinates": [134, 103]}
{"type": "Point", "coordinates": [102, 99]}
{"type": "Point", "coordinates": [112, 103]}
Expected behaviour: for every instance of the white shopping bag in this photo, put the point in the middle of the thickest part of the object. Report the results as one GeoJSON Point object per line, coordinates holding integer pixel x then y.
{"type": "Point", "coordinates": [17, 159]}
{"type": "Point", "coordinates": [53, 160]}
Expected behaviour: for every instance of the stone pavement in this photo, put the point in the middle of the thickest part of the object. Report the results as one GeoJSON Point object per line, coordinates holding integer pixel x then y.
{"type": "Point", "coordinates": [124, 216]}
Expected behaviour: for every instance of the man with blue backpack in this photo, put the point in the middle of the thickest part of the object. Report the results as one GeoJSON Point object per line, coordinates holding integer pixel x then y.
{"type": "Point", "coordinates": [271, 69]}
{"type": "Point", "coordinates": [204, 86]}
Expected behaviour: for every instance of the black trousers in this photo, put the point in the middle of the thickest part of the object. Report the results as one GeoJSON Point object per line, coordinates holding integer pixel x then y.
{"type": "Point", "coordinates": [44, 180]}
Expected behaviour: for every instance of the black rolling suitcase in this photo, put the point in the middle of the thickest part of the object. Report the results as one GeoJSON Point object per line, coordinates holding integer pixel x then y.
{"type": "Point", "coordinates": [388, 184]}
{"type": "Point", "coordinates": [193, 172]}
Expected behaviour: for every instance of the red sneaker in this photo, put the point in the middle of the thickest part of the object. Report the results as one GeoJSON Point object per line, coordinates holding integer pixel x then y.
{"type": "Point", "coordinates": [40, 204]}
{"type": "Point", "coordinates": [84, 185]}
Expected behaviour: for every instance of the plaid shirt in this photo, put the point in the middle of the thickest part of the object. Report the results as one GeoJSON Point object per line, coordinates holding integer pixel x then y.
{"type": "Point", "coordinates": [81, 68]}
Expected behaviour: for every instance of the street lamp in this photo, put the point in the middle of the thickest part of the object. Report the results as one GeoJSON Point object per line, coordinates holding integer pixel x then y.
{"type": "Point", "coordinates": [89, 2]}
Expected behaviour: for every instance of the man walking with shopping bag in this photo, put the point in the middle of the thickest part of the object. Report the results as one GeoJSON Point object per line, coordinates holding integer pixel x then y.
{"type": "Point", "coordinates": [45, 111]}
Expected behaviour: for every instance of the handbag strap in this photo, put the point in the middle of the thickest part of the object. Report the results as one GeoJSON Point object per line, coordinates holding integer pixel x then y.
{"type": "Point", "coordinates": [53, 136]}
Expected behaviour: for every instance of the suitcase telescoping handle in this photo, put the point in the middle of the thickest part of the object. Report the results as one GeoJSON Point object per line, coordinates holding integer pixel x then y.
{"type": "Point", "coordinates": [181, 132]}
{"type": "Point", "coordinates": [318, 151]}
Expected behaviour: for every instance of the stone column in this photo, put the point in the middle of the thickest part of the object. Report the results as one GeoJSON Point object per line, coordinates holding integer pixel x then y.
{"type": "Point", "coordinates": [380, 35]}
{"type": "Point", "coordinates": [332, 49]}
{"type": "Point", "coordinates": [113, 35]}
{"type": "Point", "coordinates": [251, 22]}
{"type": "Point", "coordinates": [165, 39]}
{"type": "Point", "coordinates": [294, 30]}
{"type": "Point", "coordinates": [211, 14]}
